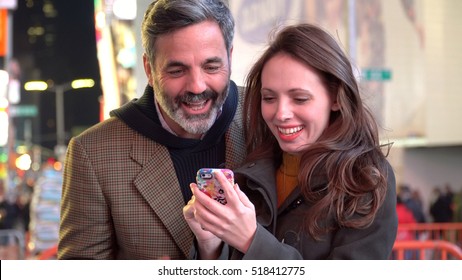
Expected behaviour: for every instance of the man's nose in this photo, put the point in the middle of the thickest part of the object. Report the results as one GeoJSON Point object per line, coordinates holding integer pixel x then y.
{"type": "Point", "coordinates": [196, 82]}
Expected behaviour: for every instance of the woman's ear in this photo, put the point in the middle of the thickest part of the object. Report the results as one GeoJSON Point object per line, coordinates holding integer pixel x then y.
{"type": "Point", "coordinates": [335, 106]}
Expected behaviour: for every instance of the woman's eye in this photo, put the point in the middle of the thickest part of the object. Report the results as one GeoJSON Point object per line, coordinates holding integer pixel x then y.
{"type": "Point", "coordinates": [268, 99]}
{"type": "Point", "coordinates": [300, 100]}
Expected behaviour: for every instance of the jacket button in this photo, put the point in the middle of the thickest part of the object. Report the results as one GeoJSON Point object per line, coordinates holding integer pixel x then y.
{"type": "Point", "coordinates": [297, 203]}
{"type": "Point", "coordinates": [290, 238]}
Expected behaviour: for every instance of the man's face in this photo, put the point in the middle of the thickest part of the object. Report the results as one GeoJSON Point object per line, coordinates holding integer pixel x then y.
{"type": "Point", "coordinates": [190, 77]}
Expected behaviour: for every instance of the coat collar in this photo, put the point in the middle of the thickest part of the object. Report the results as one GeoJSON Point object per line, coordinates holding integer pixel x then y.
{"type": "Point", "coordinates": [259, 178]}
{"type": "Point", "coordinates": [160, 191]}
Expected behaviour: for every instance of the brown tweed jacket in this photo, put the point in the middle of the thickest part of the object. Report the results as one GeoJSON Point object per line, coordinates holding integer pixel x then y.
{"type": "Point", "coordinates": [113, 168]}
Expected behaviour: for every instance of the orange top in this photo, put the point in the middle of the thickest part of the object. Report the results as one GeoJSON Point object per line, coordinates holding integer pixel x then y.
{"type": "Point", "coordinates": [287, 176]}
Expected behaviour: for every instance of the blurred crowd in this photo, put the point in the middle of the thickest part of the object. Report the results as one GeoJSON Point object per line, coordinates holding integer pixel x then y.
{"type": "Point", "coordinates": [30, 211]}
{"type": "Point", "coordinates": [15, 209]}
{"type": "Point", "coordinates": [445, 206]}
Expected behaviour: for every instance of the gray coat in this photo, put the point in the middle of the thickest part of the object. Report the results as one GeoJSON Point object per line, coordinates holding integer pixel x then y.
{"type": "Point", "coordinates": [279, 234]}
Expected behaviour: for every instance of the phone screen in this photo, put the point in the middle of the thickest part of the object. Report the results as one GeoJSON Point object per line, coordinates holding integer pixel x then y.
{"type": "Point", "coordinates": [208, 184]}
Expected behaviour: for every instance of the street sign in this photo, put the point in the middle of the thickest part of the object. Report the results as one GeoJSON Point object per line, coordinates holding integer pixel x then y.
{"type": "Point", "coordinates": [376, 74]}
{"type": "Point", "coordinates": [23, 111]}
{"type": "Point", "coordinates": [8, 4]}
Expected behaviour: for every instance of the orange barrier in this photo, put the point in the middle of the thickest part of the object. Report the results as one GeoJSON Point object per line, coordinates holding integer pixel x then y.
{"type": "Point", "coordinates": [451, 232]}
{"type": "Point", "coordinates": [426, 250]}
{"type": "Point", "coordinates": [49, 254]}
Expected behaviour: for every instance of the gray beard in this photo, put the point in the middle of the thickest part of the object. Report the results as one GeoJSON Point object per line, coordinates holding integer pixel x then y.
{"type": "Point", "coordinates": [194, 124]}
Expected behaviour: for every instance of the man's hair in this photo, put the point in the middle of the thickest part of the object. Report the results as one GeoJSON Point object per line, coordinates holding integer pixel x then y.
{"type": "Point", "coordinates": [166, 16]}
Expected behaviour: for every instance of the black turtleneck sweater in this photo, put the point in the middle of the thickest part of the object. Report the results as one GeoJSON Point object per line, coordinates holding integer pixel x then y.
{"type": "Point", "coordinates": [188, 155]}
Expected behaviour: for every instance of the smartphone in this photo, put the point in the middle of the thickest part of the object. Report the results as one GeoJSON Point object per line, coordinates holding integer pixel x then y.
{"type": "Point", "coordinates": [208, 184]}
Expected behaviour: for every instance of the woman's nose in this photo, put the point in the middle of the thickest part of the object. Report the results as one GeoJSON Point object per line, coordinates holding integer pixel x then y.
{"type": "Point", "coordinates": [284, 112]}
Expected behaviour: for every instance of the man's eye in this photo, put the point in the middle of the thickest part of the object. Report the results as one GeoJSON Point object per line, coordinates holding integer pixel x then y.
{"type": "Point", "coordinates": [212, 69]}
{"type": "Point", "coordinates": [176, 72]}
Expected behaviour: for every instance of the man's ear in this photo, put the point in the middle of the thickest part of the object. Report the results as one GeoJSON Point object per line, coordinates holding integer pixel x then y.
{"type": "Point", "coordinates": [231, 58]}
{"type": "Point", "coordinates": [147, 69]}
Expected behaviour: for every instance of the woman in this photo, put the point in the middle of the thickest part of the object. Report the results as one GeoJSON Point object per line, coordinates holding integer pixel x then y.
{"type": "Point", "coordinates": [316, 184]}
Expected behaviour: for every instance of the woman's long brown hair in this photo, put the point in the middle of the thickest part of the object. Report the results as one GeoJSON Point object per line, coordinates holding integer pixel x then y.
{"type": "Point", "coordinates": [347, 155]}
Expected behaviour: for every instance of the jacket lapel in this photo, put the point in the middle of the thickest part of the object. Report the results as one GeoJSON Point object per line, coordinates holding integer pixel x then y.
{"type": "Point", "coordinates": [161, 189]}
{"type": "Point", "coordinates": [234, 137]}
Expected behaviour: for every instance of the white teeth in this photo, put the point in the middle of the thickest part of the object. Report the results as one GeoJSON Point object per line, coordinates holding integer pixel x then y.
{"type": "Point", "coordinates": [288, 131]}
{"type": "Point", "coordinates": [196, 106]}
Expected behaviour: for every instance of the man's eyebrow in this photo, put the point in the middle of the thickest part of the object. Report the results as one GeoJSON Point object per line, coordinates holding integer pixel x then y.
{"type": "Point", "coordinates": [175, 63]}
{"type": "Point", "coordinates": [213, 60]}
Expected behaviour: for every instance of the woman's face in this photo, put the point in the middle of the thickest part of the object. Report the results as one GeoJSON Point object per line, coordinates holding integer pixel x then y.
{"type": "Point", "coordinates": [295, 103]}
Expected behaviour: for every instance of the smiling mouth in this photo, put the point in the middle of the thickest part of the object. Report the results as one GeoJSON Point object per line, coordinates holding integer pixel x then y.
{"type": "Point", "coordinates": [196, 106]}
{"type": "Point", "coordinates": [290, 131]}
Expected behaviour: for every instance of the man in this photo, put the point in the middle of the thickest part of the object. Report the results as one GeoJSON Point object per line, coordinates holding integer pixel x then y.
{"type": "Point", "coordinates": [127, 179]}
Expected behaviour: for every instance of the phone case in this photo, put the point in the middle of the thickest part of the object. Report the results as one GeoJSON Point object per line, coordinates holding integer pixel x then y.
{"type": "Point", "coordinates": [208, 184]}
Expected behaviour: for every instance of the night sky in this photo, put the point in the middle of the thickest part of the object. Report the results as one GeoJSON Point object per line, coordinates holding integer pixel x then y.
{"type": "Point", "coordinates": [70, 55]}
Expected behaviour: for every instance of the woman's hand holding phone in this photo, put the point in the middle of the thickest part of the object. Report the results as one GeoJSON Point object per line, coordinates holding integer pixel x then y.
{"type": "Point", "coordinates": [233, 222]}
